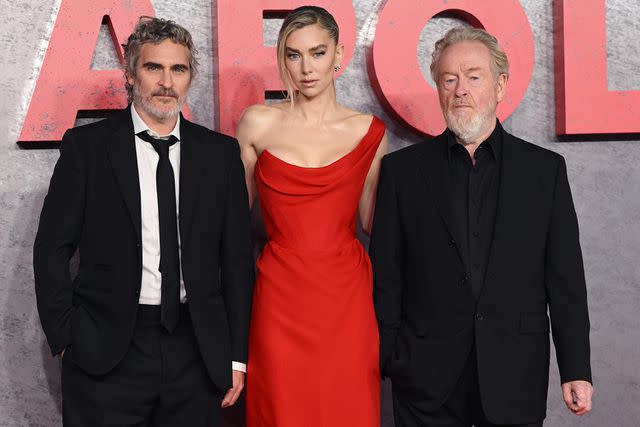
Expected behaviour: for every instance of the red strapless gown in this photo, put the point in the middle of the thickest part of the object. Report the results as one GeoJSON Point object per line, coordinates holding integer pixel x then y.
{"type": "Point", "coordinates": [313, 345]}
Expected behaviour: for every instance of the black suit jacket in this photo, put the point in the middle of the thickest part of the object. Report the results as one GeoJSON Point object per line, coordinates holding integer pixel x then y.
{"type": "Point", "coordinates": [93, 204]}
{"type": "Point", "coordinates": [428, 317]}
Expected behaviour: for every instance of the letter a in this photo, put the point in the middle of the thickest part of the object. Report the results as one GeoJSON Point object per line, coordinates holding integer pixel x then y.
{"type": "Point", "coordinates": [67, 83]}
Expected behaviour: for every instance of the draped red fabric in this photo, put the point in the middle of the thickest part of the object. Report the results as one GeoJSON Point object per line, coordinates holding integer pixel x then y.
{"type": "Point", "coordinates": [313, 346]}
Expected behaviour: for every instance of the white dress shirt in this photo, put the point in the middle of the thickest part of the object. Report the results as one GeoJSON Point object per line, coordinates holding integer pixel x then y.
{"type": "Point", "coordinates": [147, 165]}
{"type": "Point", "coordinates": [147, 158]}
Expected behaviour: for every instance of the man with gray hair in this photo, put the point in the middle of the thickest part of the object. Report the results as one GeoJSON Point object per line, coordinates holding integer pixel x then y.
{"type": "Point", "coordinates": [474, 240]}
{"type": "Point", "coordinates": [153, 329]}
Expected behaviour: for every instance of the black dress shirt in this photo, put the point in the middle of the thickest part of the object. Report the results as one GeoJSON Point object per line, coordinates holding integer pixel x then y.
{"type": "Point", "coordinates": [473, 196]}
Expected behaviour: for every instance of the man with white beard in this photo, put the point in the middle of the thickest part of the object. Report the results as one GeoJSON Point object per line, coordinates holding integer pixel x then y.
{"type": "Point", "coordinates": [475, 238]}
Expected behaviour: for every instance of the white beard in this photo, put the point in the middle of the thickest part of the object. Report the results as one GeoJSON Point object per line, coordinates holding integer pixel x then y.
{"type": "Point", "coordinates": [469, 130]}
{"type": "Point", "coordinates": [157, 113]}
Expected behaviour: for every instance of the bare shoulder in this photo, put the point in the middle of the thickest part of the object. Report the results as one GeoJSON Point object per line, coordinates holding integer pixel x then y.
{"type": "Point", "coordinates": [358, 120]}
{"type": "Point", "coordinates": [361, 124]}
{"type": "Point", "coordinates": [256, 120]}
{"type": "Point", "coordinates": [258, 115]}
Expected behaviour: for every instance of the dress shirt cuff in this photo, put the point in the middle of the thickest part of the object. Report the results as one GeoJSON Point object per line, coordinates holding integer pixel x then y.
{"type": "Point", "coordinates": [237, 366]}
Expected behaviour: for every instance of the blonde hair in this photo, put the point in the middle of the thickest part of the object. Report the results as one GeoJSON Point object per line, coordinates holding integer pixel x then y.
{"type": "Point", "coordinates": [299, 18]}
{"type": "Point", "coordinates": [499, 61]}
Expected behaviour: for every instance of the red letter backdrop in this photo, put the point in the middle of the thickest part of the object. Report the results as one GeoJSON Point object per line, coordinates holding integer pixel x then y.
{"type": "Point", "coordinates": [67, 83]}
{"type": "Point", "coordinates": [395, 71]}
{"type": "Point", "coordinates": [584, 103]}
{"type": "Point", "coordinates": [246, 68]}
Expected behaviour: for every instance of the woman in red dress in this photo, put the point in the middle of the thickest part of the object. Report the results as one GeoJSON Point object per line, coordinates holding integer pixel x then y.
{"type": "Point", "coordinates": [313, 346]}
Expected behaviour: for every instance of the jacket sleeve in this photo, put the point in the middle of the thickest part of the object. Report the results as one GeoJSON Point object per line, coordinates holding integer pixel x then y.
{"type": "Point", "coordinates": [57, 238]}
{"type": "Point", "coordinates": [565, 285]}
{"type": "Point", "coordinates": [385, 250]}
{"type": "Point", "coordinates": [237, 258]}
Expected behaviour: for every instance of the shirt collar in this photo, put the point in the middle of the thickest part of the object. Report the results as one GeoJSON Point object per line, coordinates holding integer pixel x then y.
{"type": "Point", "coordinates": [493, 142]}
{"type": "Point", "coordinates": [140, 126]}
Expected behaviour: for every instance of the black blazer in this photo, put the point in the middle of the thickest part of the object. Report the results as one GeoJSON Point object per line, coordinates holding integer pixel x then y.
{"type": "Point", "coordinates": [93, 204]}
{"type": "Point", "coordinates": [428, 317]}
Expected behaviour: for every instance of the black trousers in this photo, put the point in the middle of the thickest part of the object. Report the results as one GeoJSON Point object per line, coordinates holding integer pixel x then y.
{"type": "Point", "coordinates": [463, 408]}
{"type": "Point", "coordinates": [161, 381]}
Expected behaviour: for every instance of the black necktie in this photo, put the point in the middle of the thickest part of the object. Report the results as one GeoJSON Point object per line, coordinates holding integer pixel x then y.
{"type": "Point", "coordinates": [169, 257]}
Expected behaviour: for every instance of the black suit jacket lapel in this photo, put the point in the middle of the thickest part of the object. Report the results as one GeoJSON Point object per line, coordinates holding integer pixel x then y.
{"type": "Point", "coordinates": [192, 166]}
{"type": "Point", "coordinates": [510, 194]}
{"type": "Point", "coordinates": [122, 155]}
{"type": "Point", "coordinates": [434, 169]}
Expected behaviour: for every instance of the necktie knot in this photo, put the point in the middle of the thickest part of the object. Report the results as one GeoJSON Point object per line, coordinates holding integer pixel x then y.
{"type": "Point", "coordinates": [160, 145]}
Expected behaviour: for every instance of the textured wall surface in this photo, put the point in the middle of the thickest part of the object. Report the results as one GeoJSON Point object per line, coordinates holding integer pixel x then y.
{"type": "Point", "coordinates": [604, 176]}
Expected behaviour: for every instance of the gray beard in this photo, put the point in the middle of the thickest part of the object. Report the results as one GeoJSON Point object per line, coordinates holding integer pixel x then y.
{"type": "Point", "coordinates": [468, 130]}
{"type": "Point", "coordinates": [158, 114]}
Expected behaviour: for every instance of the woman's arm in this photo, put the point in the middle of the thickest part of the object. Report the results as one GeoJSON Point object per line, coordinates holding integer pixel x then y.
{"type": "Point", "coordinates": [247, 134]}
{"type": "Point", "coordinates": [368, 198]}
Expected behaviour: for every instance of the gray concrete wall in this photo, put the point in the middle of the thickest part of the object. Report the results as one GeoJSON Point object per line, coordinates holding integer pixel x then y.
{"type": "Point", "coordinates": [604, 176]}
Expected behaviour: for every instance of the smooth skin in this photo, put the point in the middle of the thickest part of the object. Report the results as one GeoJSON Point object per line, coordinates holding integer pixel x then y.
{"type": "Point", "coordinates": [316, 131]}
{"type": "Point", "coordinates": [469, 89]}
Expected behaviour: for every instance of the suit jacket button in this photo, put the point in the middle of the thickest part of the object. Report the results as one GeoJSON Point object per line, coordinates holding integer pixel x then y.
{"type": "Point", "coordinates": [452, 242]}
{"type": "Point", "coordinates": [479, 317]}
{"type": "Point", "coordinates": [464, 280]}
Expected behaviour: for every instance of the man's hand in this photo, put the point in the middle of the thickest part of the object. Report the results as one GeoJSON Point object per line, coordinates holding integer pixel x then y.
{"type": "Point", "coordinates": [234, 393]}
{"type": "Point", "coordinates": [577, 396]}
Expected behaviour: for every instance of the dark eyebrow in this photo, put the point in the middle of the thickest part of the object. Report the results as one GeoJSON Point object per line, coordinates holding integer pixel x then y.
{"type": "Point", "coordinates": [313, 49]}
{"type": "Point", "coordinates": [173, 67]}
{"type": "Point", "coordinates": [319, 47]}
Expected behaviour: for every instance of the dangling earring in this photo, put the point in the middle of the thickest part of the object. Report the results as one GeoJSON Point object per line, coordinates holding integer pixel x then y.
{"type": "Point", "coordinates": [337, 68]}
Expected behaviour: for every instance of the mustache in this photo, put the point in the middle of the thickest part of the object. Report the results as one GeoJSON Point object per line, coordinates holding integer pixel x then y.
{"type": "Point", "coordinates": [460, 103]}
{"type": "Point", "coordinates": [165, 92]}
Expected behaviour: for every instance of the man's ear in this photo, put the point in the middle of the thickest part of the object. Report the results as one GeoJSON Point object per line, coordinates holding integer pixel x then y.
{"type": "Point", "coordinates": [129, 78]}
{"type": "Point", "coordinates": [501, 86]}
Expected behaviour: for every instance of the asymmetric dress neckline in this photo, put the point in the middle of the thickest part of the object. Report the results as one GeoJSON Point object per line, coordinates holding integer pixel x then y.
{"type": "Point", "coordinates": [313, 344]}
